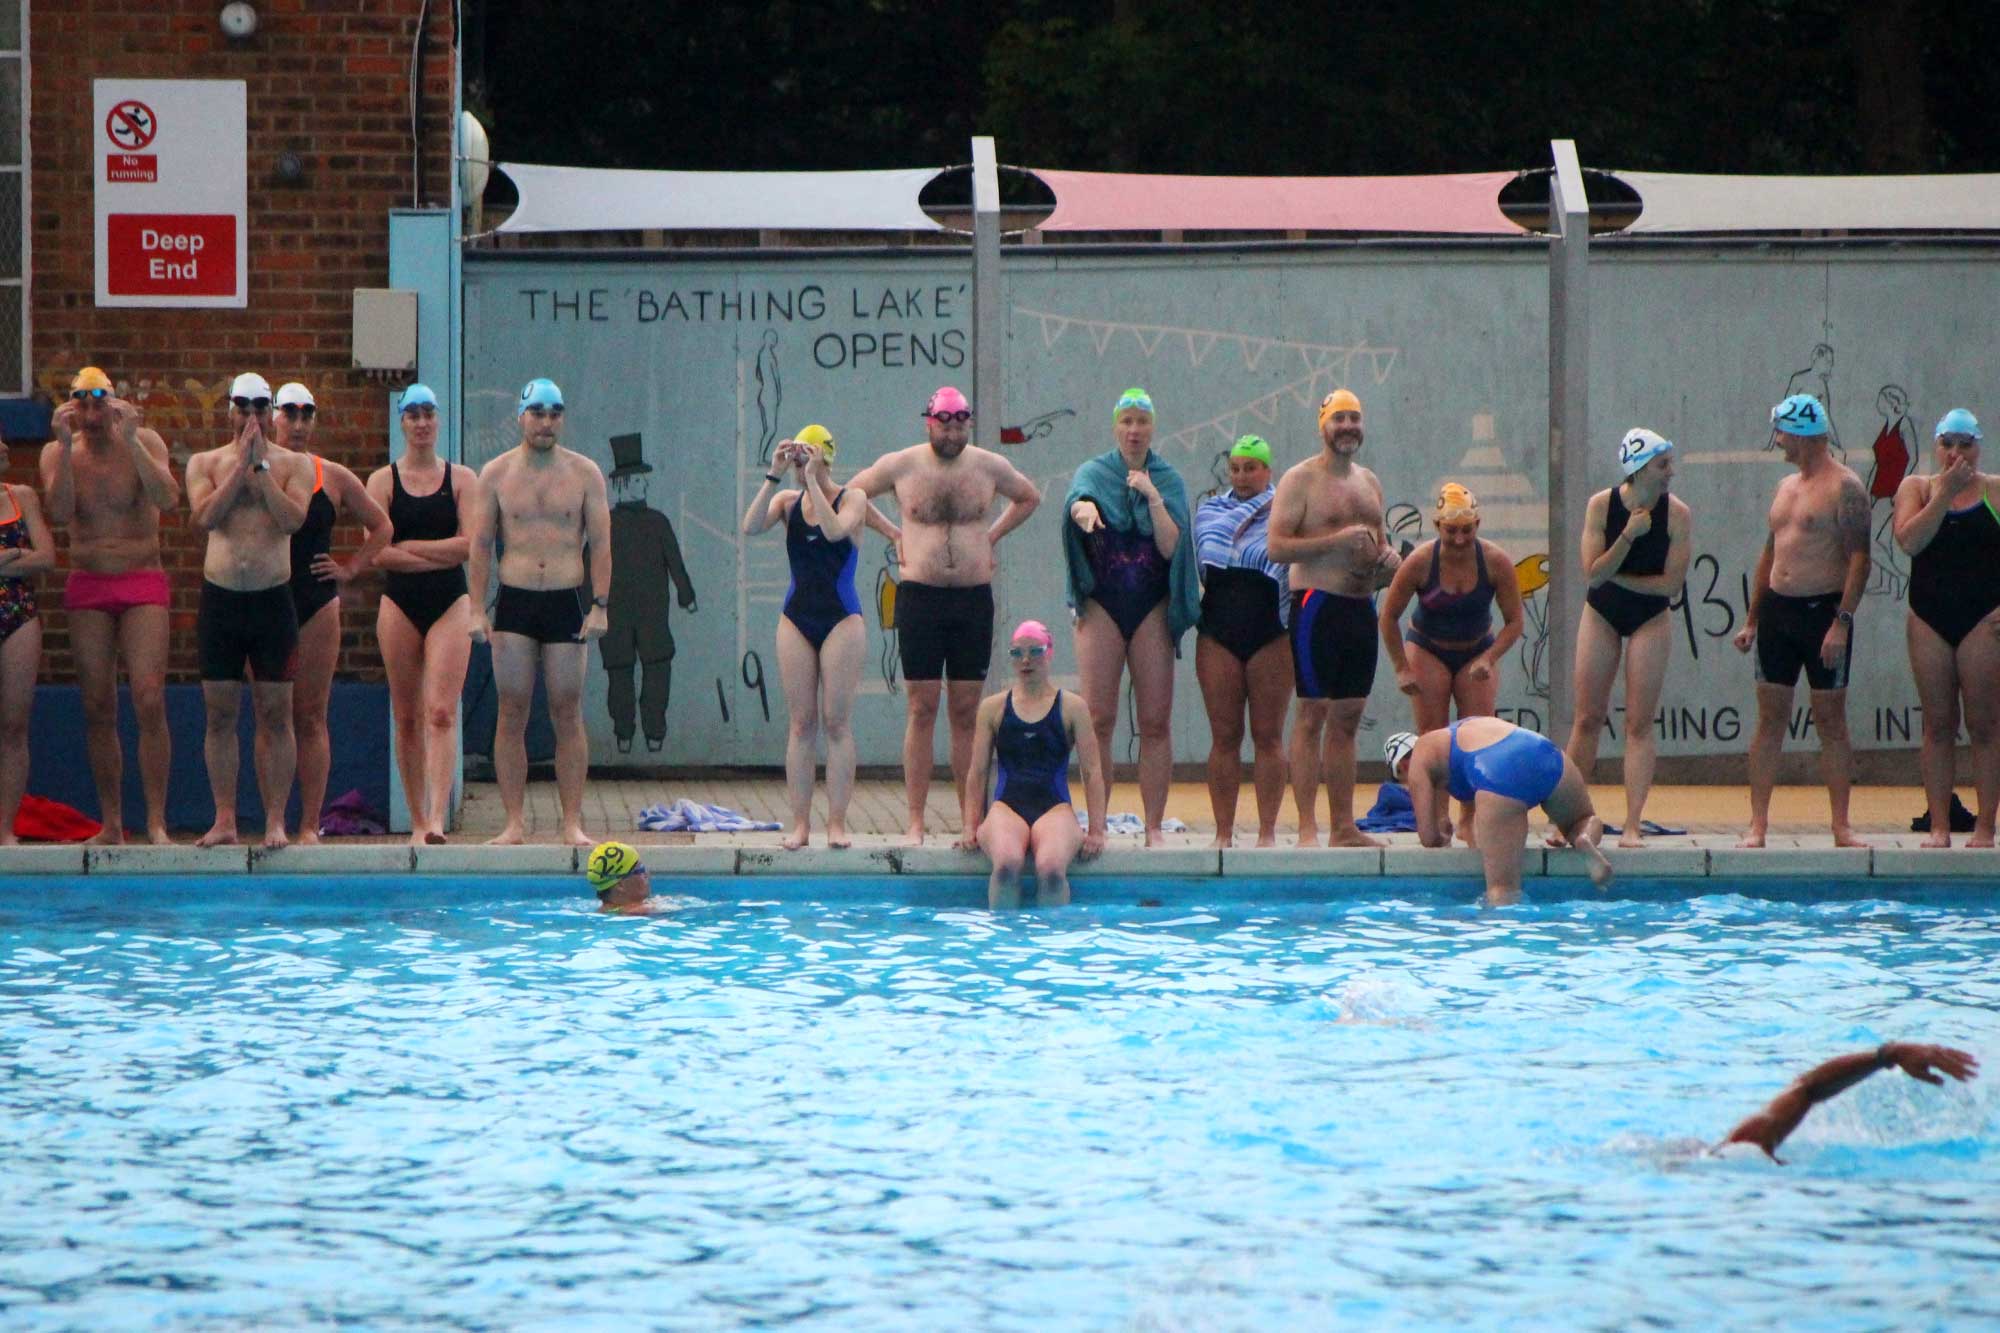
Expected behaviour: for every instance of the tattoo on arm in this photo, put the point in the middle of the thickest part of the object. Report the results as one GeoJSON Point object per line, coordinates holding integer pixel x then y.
{"type": "Point", "coordinates": [1853, 520]}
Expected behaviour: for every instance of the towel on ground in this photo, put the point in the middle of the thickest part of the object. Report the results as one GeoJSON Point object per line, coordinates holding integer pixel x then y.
{"type": "Point", "coordinates": [1131, 823]}
{"type": "Point", "coordinates": [1962, 819]}
{"type": "Point", "coordinates": [42, 820]}
{"type": "Point", "coordinates": [348, 816]}
{"type": "Point", "coordinates": [685, 816]}
{"type": "Point", "coordinates": [1391, 813]}
{"type": "Point", "coordinates": [1102, 482]}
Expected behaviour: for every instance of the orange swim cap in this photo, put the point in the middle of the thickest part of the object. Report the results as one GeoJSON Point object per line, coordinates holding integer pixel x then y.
{"type": "Point", "coordinates": [90, 377]}
{"type": "Point", "coordinates": [1340, 400]}
{"type": "Point", "coordinates": [1455, 501]}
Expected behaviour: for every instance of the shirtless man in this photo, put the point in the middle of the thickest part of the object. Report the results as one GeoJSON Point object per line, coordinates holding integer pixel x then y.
{"type": "Point", "coordinates": [544, 504]}
{"type": "Point", "coordinates": [249, 496]}
{"type": "Point", "coordinates": [1326, 523]}
{"type": "Point", "coordinates": [944, 603]}
{"type": "Point", "coordinates": [1809, 580]}
{"type": "Point", "coordinates": [107, 478]}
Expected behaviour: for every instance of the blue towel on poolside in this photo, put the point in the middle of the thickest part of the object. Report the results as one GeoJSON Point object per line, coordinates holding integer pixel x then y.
{"type": "Point", "coordinates": [1391, 813]}
{"type": "Point", "coordinates": [685, 816]}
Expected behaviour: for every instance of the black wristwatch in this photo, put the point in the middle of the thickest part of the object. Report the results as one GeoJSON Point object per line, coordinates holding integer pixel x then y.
{"type": "Point", "coordinates": [602, 603]}
{"type": "Point", "coordinates": [261, 465]}
{"type": "Point", "coordinates": [1845, 617]}
{"type": "Point", "coordinates": [775, 481]}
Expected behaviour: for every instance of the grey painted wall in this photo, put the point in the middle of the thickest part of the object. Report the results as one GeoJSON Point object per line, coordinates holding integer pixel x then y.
{"type": "Point", "coordinates": [711, 361]}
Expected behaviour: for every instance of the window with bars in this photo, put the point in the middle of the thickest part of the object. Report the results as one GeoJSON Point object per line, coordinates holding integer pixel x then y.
{"type": "Point", "coordinates": [15, 375]}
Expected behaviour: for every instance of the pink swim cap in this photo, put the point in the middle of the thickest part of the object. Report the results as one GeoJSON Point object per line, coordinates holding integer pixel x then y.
{"type": "Point", "coordinates": [947, 399]}
{"type": "Point", "coordinates": [1034, 631]}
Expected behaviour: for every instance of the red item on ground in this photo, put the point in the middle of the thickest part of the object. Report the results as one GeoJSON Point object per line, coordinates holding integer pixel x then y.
{"type": "Point", "coordinates": [43, 820]}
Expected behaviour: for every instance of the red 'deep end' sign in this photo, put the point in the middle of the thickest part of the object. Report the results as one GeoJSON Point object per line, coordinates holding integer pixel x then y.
{"type": "Point", "coordinates": [171, 254]}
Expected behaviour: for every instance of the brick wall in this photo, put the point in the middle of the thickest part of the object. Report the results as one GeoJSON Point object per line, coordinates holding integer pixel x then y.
{"type": "Point", "coordinates": [327, 80]}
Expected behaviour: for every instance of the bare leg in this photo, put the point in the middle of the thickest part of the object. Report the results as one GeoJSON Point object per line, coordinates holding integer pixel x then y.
{"type": "Point", "coordinates": [1503, 834]}
{"type": "Point", "coordinates": [1221, 678]}
{"type": "Point", "coordinates": [1598, 648]}
{"type": "Point", "coordinates": [1053, 842]}
{"type": "Point", "coordinates": [563, 666]}
{"type": "Point", "coordinates": [447, 650]}
{"type": "Point", "coordinates": [1774, 707]}
{"type": "Point", "coordinates": [1570, 808]}
{"type": "Point", "coordinates": [1004, 838]}
{"type": "Point", "coordinates": [1979, 667]}
{"type": "Point", "coordinates": [221, 698]}
{"type": "Point", "coordinates": [93, 642]}
{"type": "Point", "coordinates": [798, 672]}
{"type": "Point", "coordinates": [312, 684]}
{"type": "Point", "coordinates": [961, 701]}
{"type": "Point", "coordinates": [1645, 672]}
{"type": "Point", "coordinates": [1150, 658]}
{"type": "Point", "coordinates": [515, 658]}
{"type": "Point", "coordinates": [20, 664]}
{"type": "Point", "coordinates": [1430, 707]}
{"type": "Point", "coordinates": [1836, 760]}
{"type": "Point", "coordinates": [277, 752]}
{"type": "Point", "coordinates": [919, 744]}
{"type": "Point", "coordinates": [1343, 722]}
{"type": "Point", "coordinates": [1269, 677]}
{"type": "Point", "coordinates": [1100, 668]}
{"type": "Point", "coordinates": [403, 660]}
{"type": "Point", "coordinates": [1935, 669]}
{"type": "Point", "coordinates": [840, 661]}
{"type": "Point", "coordinates": [1308, 725]}
{"type": "Point", "coordinates": [143, 634]}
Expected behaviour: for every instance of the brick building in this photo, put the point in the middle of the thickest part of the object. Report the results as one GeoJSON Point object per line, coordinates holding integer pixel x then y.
{"type": "Point", "coordinates": [334, 144]}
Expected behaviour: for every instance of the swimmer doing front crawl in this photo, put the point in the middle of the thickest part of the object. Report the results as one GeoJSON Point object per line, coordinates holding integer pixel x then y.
{"type": "Point", "coordinates": [1772, 1125]}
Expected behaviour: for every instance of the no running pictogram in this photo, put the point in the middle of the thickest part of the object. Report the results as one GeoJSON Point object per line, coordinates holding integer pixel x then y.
{"type": "Point", "coordinates": [131, 125]}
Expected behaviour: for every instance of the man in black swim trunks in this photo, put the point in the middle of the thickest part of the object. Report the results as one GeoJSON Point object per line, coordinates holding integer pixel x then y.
{"type": "Point", "coordinates": [249, 496]}
{"type": "Point", "coordinates": [1809, 581]}
{"type": "Point", "coordinates": [944, 602]}
{"type": "Point", "coordinates": [546, 506]}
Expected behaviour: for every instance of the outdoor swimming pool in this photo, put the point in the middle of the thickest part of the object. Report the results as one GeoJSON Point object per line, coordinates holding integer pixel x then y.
{"type": "Point", "coordinates": [276, 1102]}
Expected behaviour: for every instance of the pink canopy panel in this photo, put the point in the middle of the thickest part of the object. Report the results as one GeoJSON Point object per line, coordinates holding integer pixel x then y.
{"type": "Point", "coordinates": [1115, 201]}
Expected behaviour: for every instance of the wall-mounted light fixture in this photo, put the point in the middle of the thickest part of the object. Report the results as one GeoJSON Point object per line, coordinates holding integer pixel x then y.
{"type": "Point", "coordinates": [239, 20]}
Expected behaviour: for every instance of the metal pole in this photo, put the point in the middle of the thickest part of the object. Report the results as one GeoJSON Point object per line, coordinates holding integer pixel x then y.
{"type": "Point", "coordinates": [988, 303]}
{"type": "Point", "coordinates": [1569, 424]}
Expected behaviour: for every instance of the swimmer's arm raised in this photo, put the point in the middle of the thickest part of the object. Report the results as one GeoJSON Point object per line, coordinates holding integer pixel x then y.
{"type": "Point", "coordinates": [1022, 496]}
{"type": "Point", "coordinates": [208, 499]}
{"type": "Point", "coordinates": [150, 460]}
{"type": "Point", "coordinates": [763, 510]}
{"type": "Point", "coordinates": [879, 477]}
{"type": "Point", "coordinates": [1601, 558]}
{"type": "Point", "coordinates": [1772, 1125]}
{"type": "Point", "coordinates": [1918, 517]}
{"type": "Point", "coordinates": [285, 500]}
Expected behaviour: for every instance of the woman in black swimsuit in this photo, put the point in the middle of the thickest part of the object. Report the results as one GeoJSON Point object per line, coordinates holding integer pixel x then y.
{"type": "Point", "coordinates": [1949, 524]}
{"type": "Point", "coordinates": [316, 582]}
{"type": "Point", "coordinates": [421, 624]}
{"type": "Point", "coordinates": [1635, 555]}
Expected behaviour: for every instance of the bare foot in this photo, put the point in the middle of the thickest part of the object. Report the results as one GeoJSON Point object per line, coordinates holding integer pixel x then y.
{"type": "Point", "coordinates": [1308, 835]}
{"type": "Point", "coordinates": [308, 837]}
{"type": "Point", "coordinates": [1754, 838]}
{"type": "Point", "coordinates": [1155, 838]}
{"type": "Point", "coordinates": [1980, 838]}
{"type": "Point", "coordinates": [1267, 837]}
{"type": "Point", "coordinates": [1631, 837]}
{"type": "Point", "coordinates": [418, 837]}
{"type": "Point", "coordinates": [1554, 838]}
{"type": "Point", "coordinates": [7, 838]}
{"type": "Point", "coordinates": [576, 837]}
{"type": "Point", "coordinates": [915, 836]}
{"type": "Point", "coordinates": [796, 838]}
{"type": "Point", "coordinates": [274, 838]}
{"type": "Point", "coordinates": [1844, 837]}
{"type": "Point", "coordinates": [1941, 840]}
{"type": "Point", "coordinates": [215, 837]}
{"type": "Point", "coordinates": [1224, 839]}
{"type": "Point", "coordinates": [1596, 866]}
{"type": "Point", "coordinates": [157, 835]}
{"type": "Point", "coordinates": [838, 838]}
{"type": "Point", "coordinates": [511, 836]}
{"type": "Point", "coordinates": [108, 837]}
{"type": "Point", "coordinates": [434, 839]}
{"type": "Point", "coordinates": [1350, 836]}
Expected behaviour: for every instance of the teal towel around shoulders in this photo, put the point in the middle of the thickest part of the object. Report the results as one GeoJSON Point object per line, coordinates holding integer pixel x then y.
{"type": "Point", "coordinates": [1101, 480]}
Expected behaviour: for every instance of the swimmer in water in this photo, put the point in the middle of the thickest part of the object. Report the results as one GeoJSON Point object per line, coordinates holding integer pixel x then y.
{"type": "Point", "coordinates": [624, 888]}
{"type": "Point", "coordinates": [1504, 772]}
{"type": "Point", "coordinates": [1770, 1126]}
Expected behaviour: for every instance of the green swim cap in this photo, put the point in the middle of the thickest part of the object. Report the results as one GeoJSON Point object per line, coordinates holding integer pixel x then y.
{"type": "Point", "coordinates": [1251, 446]}
{"type": "Point", "coordinates": [1133, 397]}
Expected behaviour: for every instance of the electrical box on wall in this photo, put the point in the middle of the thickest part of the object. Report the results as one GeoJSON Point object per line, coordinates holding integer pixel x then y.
{"type": "Point", "coordinates": [385, 329]}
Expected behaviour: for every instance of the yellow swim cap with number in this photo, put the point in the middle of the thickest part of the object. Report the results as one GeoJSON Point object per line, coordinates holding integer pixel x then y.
{"type": "Point", "coordinates": [1340, 400]}
{"type": "Point", "coordinates": [608, 863]}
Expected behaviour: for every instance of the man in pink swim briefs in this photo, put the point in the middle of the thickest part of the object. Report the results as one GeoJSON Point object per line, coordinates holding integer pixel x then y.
{"type": "Point", "coordinates": [106, 478]}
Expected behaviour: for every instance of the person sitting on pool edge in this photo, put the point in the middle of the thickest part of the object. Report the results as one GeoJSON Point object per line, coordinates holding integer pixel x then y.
{"type": "Point", "coordinates": [620, 878]}
{"type": "Point", "coordinates": [1823, 1082]}
{"type": "Point", "coordinates": [1032, 727]}
{"type": "Point", "coordinates": [1504, 771]}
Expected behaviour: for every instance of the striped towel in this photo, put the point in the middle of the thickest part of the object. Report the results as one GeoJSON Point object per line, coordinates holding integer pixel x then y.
{"type": "Point", "coordinates": [685, 816]}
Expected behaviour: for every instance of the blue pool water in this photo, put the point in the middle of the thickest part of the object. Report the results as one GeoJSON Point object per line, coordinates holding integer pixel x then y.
{"type": "Point", "coordinates": [271, 1103]}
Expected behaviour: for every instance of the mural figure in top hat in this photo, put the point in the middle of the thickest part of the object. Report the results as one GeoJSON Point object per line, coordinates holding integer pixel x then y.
{"type": "Point", "coordinates": [644, 556]}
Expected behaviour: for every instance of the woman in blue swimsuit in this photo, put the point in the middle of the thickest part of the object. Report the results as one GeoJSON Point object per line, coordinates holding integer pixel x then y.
{"type": "Point", "coordinates": [1503, 772]}
{"type": "Point", "coordinates": [1135, 589]}
{"type": "Point", "coordinates": [1031, 729]}
{"type": "Point", "coordinates": [821, 642]}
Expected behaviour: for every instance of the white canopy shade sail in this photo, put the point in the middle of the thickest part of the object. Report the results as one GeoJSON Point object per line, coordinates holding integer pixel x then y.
{"type": "Point", "coordinates": [1674, 202]}
{"type": "Point", "coordinates": [609, 199]}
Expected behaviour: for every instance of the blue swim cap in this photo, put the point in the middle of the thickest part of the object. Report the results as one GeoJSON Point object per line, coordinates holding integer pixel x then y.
{"type": "Point", "coordinates": [1800, 414]}
{"type": "Point", "coordinates": [1958, 421]}
{"type": "Point", "coordinates": [539, 393]}
{"type": "Point", "coordinates": [417, 395]}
